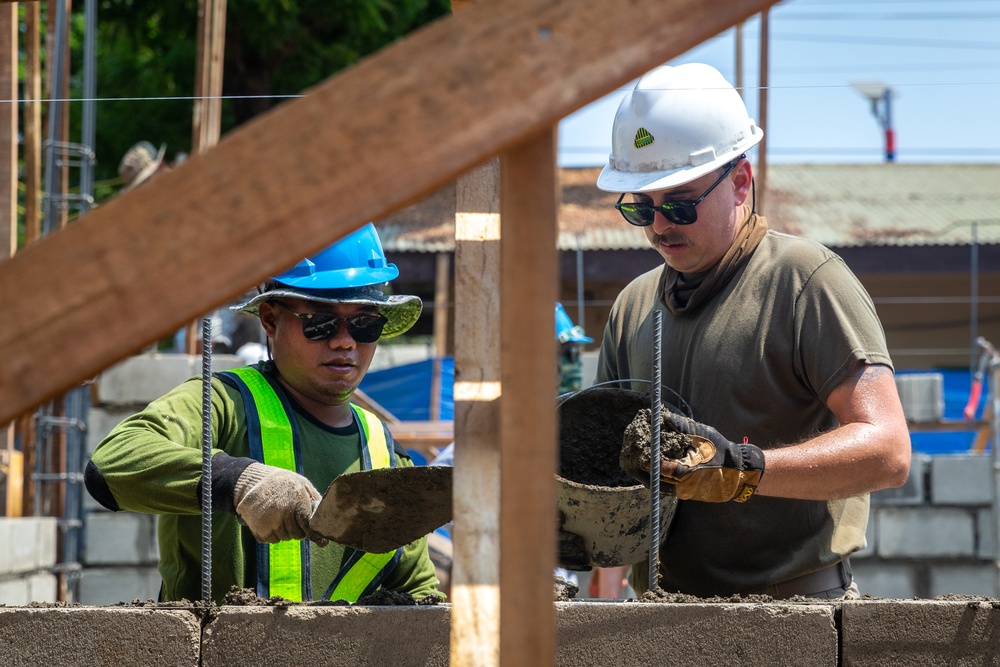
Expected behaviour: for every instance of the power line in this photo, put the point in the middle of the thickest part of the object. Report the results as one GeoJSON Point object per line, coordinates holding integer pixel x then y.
{"type": "Point", "coordinates": [884, 41]}
{"type": "Point", "coordinates": [898, 16]}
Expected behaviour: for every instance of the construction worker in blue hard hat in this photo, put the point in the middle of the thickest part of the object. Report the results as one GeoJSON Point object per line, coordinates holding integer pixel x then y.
{"type": "Point", "coordinates": [282, 429]}
{"type": "Point", "coordinates": [570, 336]}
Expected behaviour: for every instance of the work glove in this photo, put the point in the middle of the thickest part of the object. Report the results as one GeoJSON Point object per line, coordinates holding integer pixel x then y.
{"type": "Point", "coordinates": [713, 470]}
{"type": "Point", "coordinates": [572, 552]}
{"type": "Point", "coordinates": [275, 504]}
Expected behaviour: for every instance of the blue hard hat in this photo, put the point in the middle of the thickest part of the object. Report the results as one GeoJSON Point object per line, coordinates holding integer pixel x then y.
{"type": "Point", "coordinates": [352, 270]}
{"type": "Point", "coordinates": [356, 260]}
{"type": "Point", "coordinates": [566, 331]}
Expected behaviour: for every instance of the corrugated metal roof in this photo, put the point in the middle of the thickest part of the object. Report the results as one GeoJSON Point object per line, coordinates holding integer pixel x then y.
{"type": "Point", "coordinates": [837, 205]}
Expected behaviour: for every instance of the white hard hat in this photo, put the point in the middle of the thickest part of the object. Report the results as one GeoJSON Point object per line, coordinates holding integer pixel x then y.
{"type": "Point", "coordinates": [677, 124]}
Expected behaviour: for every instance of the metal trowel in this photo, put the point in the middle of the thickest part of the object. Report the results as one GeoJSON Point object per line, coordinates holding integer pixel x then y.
{"type": "Point", "coordinates": [380, 510]}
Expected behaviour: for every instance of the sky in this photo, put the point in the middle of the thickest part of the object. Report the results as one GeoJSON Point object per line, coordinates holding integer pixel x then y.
{"type": "Point", "coordinates": [941, 60]}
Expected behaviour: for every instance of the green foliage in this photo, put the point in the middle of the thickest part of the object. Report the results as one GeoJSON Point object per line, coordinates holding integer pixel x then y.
{"type": "Point", "coordinates": [146, 55]}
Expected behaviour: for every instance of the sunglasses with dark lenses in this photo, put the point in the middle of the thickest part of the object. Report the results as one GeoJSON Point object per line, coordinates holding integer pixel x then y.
{"type": "Point", "coordinates": [641, 214]}
{"type": "Point", "coordinates": [364, 327]}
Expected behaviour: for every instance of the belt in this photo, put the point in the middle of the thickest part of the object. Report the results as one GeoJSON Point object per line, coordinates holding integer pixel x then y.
{"type": "Point", "coordinates": [835, 576]}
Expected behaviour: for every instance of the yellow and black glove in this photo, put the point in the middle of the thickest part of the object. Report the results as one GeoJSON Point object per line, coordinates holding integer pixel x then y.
{"type": "Point", "coordinates": [714, 469]}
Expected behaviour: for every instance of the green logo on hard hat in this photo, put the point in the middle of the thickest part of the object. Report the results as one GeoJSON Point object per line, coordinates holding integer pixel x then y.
{"type": "Point", "coordinates": [643, 138]}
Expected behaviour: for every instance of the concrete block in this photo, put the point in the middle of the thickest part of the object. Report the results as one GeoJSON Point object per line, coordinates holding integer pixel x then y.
{"type": "Point", "coordinates": [870, 539]}
{"type": "Point", "coordinates": [139, 379]}
{"type": "Point", "coordinates": [598, 633]}
{"type": "Point", "coordinates": [963, 579]}
{"type": "Point", "coordinates": [120, 538]}
{"type": "Point", "coordinates": [912, 492]}
{"type": "Point", "coordinates": [985, 531]}
{"type": "Point", "coordinates": [885, 580]}
{"type": "Point", "coordinates": [111, 585]}
{"type": "Point", "coordinates": [919, 633]}
{"type": "Point", "coordinates": [921, 532]}
{"type": "Point", "coordinates": [43, 587]}
{"type": "Point", "coordinates": [357, 635]}
{"type": "Point", "coordinates": [629, 633]}
{"type": "Point", "coordinates": [961, 479]}
{"type": "Point", "coordinates": [24, 544]}
{"type": "Point", "coordinates": [100, 421]}
{"type": "Point", "coordinates": [99, 637]}
{"type": "Point", "coordinates": [14, 591]}
{"type": "Point", "coordinates": [922, 396]}
{"type": "Point", "coordinates": [48, 532]}
{"type": "Point", "coordinates": [6, 550]}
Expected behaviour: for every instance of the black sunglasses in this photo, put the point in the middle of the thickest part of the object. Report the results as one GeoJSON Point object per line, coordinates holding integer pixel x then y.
{"type": "Point", "coordinates": [642, 214]}
{"type": "Point", "coordinates": [364, 327]}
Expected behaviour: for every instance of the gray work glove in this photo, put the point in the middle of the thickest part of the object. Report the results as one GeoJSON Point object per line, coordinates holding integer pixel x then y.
{"type": "Point", "coordinates": [275, 504]}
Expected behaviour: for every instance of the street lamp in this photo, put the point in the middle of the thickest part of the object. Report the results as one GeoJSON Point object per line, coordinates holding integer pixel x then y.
{"type": "Point", "coordinates": [880, 96]}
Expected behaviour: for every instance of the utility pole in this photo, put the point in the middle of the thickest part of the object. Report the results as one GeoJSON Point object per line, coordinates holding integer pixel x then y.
{"type": "Point", "coordinates": [880, 95]}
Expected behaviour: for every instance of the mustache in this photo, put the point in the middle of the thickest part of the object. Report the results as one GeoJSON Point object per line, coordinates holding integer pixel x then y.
{"type": "Point", "coordinates": [672, 237]}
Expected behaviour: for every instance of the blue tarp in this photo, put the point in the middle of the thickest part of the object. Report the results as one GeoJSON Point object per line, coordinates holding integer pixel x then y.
{"type": "Point", "coordinates": [405, 390]}
{"type": "Point", "coordinates": [957, 384]}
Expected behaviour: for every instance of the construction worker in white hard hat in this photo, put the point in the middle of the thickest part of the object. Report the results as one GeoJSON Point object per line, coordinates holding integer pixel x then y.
{"type": "Point", "coordinates": [282, 429]}
{"type": "Point", "coordinates": [769, 338]}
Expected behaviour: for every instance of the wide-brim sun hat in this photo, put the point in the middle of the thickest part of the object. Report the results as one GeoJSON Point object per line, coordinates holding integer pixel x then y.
{"type": "Point", "coordinates": [676, 125]}
{"type": "Point", "coordinates": [139, 163]}
{"type": "Point", "coordinates": [401, 310]}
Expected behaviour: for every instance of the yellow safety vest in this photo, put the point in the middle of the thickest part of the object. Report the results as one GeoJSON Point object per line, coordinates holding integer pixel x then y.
{"type": "Point", "coordinates": [284, 568]}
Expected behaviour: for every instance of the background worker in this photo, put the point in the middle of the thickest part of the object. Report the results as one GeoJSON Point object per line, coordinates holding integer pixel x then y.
{"type": "Point", "coordinates": [323, 318]}
{"type": "Point", "coordinates": [770, 339]}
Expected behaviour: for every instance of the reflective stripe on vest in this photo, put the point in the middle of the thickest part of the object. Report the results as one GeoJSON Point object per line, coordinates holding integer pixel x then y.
{"type": "Point", "coordinates": [279, 566]}
{"type": "Point", "coordinates": [363, 572]}
{"type": "Point", "coordinates": [283, 568]}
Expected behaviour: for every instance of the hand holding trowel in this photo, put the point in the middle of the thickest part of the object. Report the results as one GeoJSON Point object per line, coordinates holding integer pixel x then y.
{"type": "Point", "coordinates": [380, 510]}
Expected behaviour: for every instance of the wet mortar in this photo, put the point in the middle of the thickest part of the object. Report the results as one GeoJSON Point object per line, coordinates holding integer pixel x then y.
{"type": "Point", "coordinates": [592, 425]}
{"type": "Point", "coordinates": [638, 437]}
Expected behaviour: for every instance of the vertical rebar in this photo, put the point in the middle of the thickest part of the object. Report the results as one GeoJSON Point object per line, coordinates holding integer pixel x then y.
{"type": "Point", "coordinates": [49, 223]}
{"type": "Point", "coordinates": [88, 118]}
{"type": "Point", "coordinates": [206, 459]}
{"type": "Point", "coordinates": [654, 457]}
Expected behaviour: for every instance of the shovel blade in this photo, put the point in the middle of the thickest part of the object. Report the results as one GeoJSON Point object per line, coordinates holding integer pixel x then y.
{"type": "Point", "coordinates": [378, 511]}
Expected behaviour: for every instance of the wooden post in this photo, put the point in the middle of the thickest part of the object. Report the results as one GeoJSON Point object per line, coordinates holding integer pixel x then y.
{"type": "Point", "coordinates": [441, 290]}
{"type": "Point", "coordinates": [529, 274]}
{"type": "Point", "coordinates": [8, 195]}
{"type": "Point", "coordinates": [475, 587]}
{"type": "Point", "coordinates": [8, 130]}
{"type": "Point", "coordinates": [206, 124]}
{"type": "Point", "coordinates": [761, 175]}
{"type": "Point", "coordinates": [32, 123]}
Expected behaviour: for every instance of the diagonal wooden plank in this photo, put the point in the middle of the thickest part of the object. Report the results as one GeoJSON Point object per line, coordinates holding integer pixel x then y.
{"type": "Point", "coordinates": [364, 143]}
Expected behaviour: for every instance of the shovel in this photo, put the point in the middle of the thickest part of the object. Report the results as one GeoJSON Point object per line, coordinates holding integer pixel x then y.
{"type": "Point", "coordinates": [378, 511]}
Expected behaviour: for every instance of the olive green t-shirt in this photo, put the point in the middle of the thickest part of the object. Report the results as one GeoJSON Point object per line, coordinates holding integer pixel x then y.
{"type": "Point", "coordinates": [152, 463]}
{"type": "Point", "coordinates": [757, 361]}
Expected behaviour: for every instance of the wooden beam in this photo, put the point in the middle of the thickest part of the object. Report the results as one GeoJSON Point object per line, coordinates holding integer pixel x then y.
{"type": "Point", "coordinates": [291, 181]}
{"type": "Point", "coordinates": [528, 291]}
{"type": "Point", "coordinates": [475, 580]}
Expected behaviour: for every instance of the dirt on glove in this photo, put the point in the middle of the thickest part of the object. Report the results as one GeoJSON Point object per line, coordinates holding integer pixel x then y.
{"type": "Point", "coordinates": [635, 453]}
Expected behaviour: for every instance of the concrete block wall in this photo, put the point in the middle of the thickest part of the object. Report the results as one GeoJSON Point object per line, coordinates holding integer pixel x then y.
{"type": "Point", "coordinates": [860, 634]}
{"type": "Point", "coordinates": [933, 536]}
{"type": "Point", "coordinates": [27, 559]}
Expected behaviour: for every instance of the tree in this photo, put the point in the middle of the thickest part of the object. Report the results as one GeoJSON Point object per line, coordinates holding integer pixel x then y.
{"type": "Point", "coordinates": [146, 51]}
